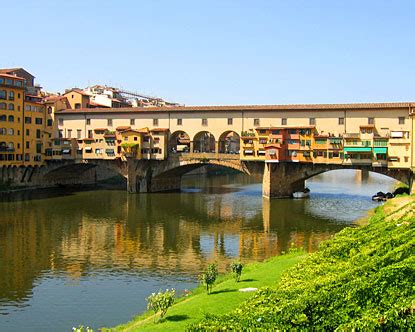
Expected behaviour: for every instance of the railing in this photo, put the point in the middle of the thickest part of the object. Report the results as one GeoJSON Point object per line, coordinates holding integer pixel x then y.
{"type": "Point", "coordinates": [206, 155]}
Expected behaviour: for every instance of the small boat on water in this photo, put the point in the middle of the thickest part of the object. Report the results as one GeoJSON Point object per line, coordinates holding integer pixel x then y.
{"type": "Point", "coordinates": [302, 194]}
{"type": "Point", "coordinates": [381, 196]}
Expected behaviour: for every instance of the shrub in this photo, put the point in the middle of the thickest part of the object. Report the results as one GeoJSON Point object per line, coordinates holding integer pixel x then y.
{"type": "Point", "coordinates": [236, 268]}
{"type": "Point", "coordinates": [209, 277]}
{"type": "Point", "coordinates": [161, 302]}
{"type": "Point", "coordinates": [81, 328]}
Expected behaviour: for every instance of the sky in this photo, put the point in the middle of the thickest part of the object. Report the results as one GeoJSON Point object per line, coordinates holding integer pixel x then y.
{"type": "Point", "coordinates": [218, 52]}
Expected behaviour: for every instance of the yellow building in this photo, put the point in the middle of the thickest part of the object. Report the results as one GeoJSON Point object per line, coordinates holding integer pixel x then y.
{"type": "Point", "coordinates": [77, 99]}
{"type": "Point", "coordinates": [11, 119]}
{"type": "Point", "coordinates": [35, 137]}
{"type": "Point", "coordinates": [132, 142]}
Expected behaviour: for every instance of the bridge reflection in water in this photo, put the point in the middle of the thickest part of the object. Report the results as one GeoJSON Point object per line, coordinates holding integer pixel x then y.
{"type": "Point", "coordinates": [107, 234]}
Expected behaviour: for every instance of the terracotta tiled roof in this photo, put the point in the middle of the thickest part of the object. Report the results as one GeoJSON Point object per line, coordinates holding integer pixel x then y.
{"type": "Point", "coordinates": [160, 129]}
{"type": "Point", "coordinates": [289, 107]}
{"type": "Point", "coordinates": [123, 128]}
{"type": "Point", "coordinates": [77, 91]}
{"type": "Point", "coordinates": [11, 76]}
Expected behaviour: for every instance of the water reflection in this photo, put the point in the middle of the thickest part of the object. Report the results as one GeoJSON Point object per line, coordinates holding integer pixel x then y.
{"type": "Point", "coordinates": [72, 257]}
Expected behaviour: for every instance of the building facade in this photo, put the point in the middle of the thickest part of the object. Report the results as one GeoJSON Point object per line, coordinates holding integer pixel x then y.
{"type": "Point", "coordinates": [350, 134]}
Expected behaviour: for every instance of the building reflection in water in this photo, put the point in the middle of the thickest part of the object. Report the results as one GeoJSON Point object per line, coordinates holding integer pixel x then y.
{"type": "Point", "coordinates": [112, 231]}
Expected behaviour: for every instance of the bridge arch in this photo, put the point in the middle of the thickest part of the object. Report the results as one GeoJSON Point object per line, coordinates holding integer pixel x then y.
{"type": "Point", "coordinates": [179, 142]}
{"type": "Point", "coordinates": [229, 142]}
{"type": "Point", "coordinates": [204, 142]}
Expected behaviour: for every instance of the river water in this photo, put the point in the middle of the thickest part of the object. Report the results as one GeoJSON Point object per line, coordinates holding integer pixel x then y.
{"type": "Point", "coordinates": [91, 257]}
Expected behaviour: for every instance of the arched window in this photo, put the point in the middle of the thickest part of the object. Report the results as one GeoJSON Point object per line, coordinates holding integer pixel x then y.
{"type": "Point", "coordinates": [11, 107]}
{"type": "Point", "coordinates": [11, 118]}
{"type": "Point", "coordinates": [3, 94]}
{"type": "Point", "coordinates": [3, 131]}
{"type": "Point", "coordinates": [11, 131]}
{"type": "Point", "coordinates": [3, 106]}
{"type": "Point", "coordinates": [3, 118]}
{"type": "Point", "coordinates": [11, 146]}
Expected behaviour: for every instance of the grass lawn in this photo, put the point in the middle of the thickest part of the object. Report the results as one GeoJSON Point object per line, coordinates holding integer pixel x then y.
{"type": "Point", "coordinates": [225, 296]}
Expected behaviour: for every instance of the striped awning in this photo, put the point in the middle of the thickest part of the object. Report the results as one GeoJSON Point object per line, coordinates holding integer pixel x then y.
{"type": "Point", "coordinates": [380, 150]}
{"type": "Point", "coordinates": [358, 149]}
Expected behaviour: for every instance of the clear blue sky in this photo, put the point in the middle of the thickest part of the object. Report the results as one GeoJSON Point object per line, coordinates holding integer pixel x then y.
{"type": "Point", "coordinates": [218, 51]}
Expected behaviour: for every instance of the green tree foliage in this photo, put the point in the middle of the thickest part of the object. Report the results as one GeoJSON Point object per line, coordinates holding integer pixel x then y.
{"type": "Point", "coordinates": [161, 302]}
{"type": "Point", "coordinates": [362, 279]}
{"type": "Point", "coordinates": [236, 268]}
{"type": "Point", "coordinates": [209, 277]}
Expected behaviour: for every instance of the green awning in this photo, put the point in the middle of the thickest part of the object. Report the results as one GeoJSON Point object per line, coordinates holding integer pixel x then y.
{"type": "Point", "coordinates": [358, 149]}
{"type": "Point", "coordinates": [380, 150]}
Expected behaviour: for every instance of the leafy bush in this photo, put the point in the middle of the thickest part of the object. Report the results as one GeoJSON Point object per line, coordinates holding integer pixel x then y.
{"type": "Point", "coordinates": [209, 277]}
{"type": "Point", "coordinates": [236, 268]}
{"type": "Point", "coordinates": [161, 302]}
{"type": "Point", "coordinates": [362, 279]}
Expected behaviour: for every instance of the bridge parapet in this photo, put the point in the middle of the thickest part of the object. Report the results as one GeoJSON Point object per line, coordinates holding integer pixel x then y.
{"type": "Point", "coordinates": [208, 156]}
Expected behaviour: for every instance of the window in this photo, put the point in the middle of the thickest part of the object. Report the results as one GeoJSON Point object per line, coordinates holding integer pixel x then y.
{"type": "Point", "coordinates": [9, 81]}
{"type": "Point", "coordinates": [78, 133]}
{"type": "Point", "coordinates": [11, 118]}
{"type": "Point", "coordinates": [37, 133]}
{"type": "Point", "coordinates": [256, 122]}
{"type": "Point", "coordinates": [38, 121]}
{"type": "Point", "coordinates": [27, 145]}
{"type": "Point", "coordinates": [109, 122]}
{"type": "Point", "coordinates": [230, 121]}
{"type": "Point", "coordinates": [88, 121]}
{"type": "Point", "coordinates": [89, 133]}
{"type": "Point", "coordinates": [155, 122]}
{"type": "Point", "coordinates": [312, 121]}
{"type": "Point", "coordinates": [69, 133]}
{"type": "Point", "coordinates": [3, 106]}
{"type": "Point", "coordinates": [11, 95]}
{"type": "Point", "coordinates": [11, 107]}
{"type": "Point", "coordinates": [77, 106]}
{"type": "Point", "coordinates": [18, 108]}
{"type": "Point", "coordinates": [3, 94]}
{"type": "Point", "coordinates": [60, 122]}
{"type": "Point", "coordinates": [371, 121]}
{"type": "Point", "coordinates": [204, 122]}
{"type": "Point", "coordinates": [179, 122]}
{"type": "Point", "coordinates": [11, 131]}
{"type": "Point", "coordinates": [27, 119]}
{"type": "Point", "coordinates": [27, 132]}
{"type": "Point", "coordinates": [283, 121]}
{"type": "Point", "coordinates": [3, 118]}
{"type": "Point", "coordinates": [401, 120]}
{"type": "Point", "coordinates": [132, 122]}
{"type": "Point", "coordinates": [341, 121]}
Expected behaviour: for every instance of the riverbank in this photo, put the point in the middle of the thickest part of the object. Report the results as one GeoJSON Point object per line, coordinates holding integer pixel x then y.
{"type": "Point", "coordinates": [362, 278]}
{"type": "Point", "coordinates": [225, 296]}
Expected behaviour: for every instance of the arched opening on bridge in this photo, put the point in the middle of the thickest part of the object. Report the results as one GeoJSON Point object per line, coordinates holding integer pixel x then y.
{"type": "Point", "coordinates": [179, 142]}
{"type": "Point", "coordinates": [229, 142]}
{"type": "Point", "coordinates": [357, 181]}
{"type": "Point", "coordinates": [204, 142]}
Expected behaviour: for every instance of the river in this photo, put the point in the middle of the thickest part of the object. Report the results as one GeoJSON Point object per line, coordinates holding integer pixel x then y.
{"type": "Point", "coordinates": [91, 257]}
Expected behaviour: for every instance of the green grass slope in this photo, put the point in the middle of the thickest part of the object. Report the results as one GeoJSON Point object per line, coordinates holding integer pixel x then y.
{"type": "Point", "coordinates": [225, 296]}
{"type": "Point", "coordinates": [363, 278]}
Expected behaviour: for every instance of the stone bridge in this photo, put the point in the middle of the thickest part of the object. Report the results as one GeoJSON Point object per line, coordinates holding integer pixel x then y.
{"type": "Point", "coordinates": [144, 176]}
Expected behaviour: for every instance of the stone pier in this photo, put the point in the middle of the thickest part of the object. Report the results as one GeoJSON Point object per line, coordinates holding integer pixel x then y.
{"type": "Point", "coordinates": [279, 182]}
